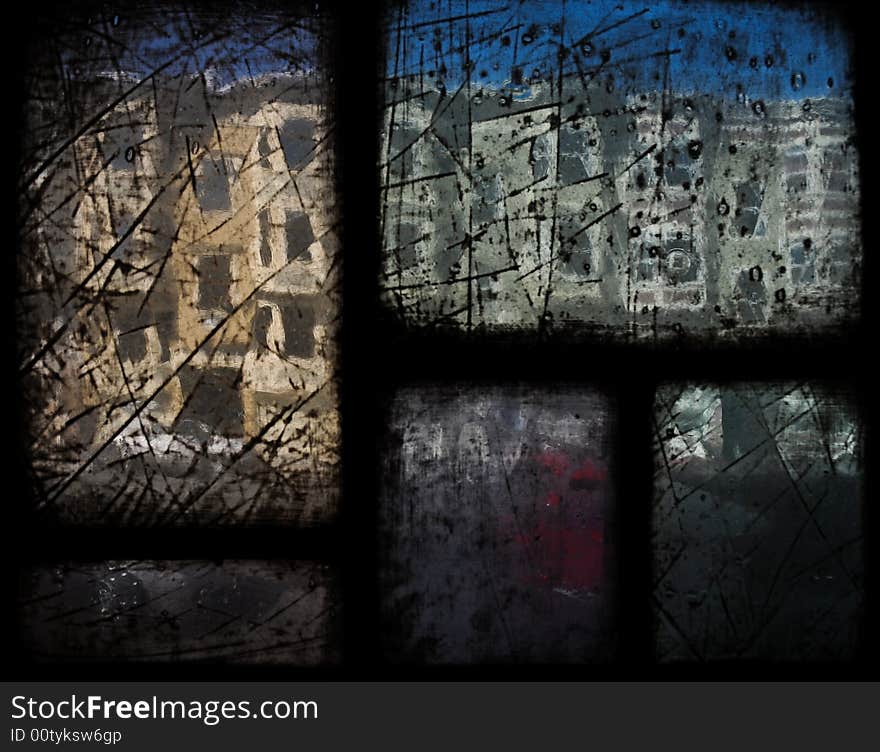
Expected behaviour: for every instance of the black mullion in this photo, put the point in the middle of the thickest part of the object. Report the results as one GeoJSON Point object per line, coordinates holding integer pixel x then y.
{"type": "Point", "coordinates": [317, 542]}
{"type": "Point", "coordinates": [634, 473]}
{"type": "Point", "coordinates": [426, 356]}
{"type": "Point", "coordinates": [861, 365]}
{"type": "Point", "coordinates": [357, 64]}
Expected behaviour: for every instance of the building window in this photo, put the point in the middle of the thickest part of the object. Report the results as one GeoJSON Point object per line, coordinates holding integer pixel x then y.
{"type": "Point", "coordinates": [298, 319]}
{"type": "Point", "coordinates": [265, 245]}
{"type": "Point", "coordinates": [212, 185]}
{"type": "Point", "coordinates": [214, 282]}
{"type": "Point", "coordinates": [299, 236]}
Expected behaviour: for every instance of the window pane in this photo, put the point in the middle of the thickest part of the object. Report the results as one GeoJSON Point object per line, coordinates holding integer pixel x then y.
{"type": "Point", "coordinates": [178, 274]}
{"type": "Point", "coordinates": [497, 535]}
{"type": "Point", "coordinates": [240, 612]}
{"type": "Point", "coordinates": [615, 170]}
{"type": "Point", "coordinates": [757, 522]}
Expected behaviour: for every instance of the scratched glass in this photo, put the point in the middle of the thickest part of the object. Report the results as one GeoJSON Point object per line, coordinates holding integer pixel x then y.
{"type": "Point", "coordinates": [617, 171]}
{"type": "Point", "coordinates": [496, 526]}
{"type": "Point", "coordinates": [178, 288]}
{"type": "Point", "coordinates": [240, 612]}
{"type": "Point", "coordinates": [757, 534]}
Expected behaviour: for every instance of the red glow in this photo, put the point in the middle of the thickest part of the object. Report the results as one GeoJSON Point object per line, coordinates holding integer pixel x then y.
{"type": "Point", "coordinates": [563, 542]}
{"type": "Point", "coordinates": [556, 462]}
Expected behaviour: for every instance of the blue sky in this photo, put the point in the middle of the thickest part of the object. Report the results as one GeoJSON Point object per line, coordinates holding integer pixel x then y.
{"type": "Point", "coordinates": [234, 46]}
{"type": "Point", "coordinates": [769, 51]}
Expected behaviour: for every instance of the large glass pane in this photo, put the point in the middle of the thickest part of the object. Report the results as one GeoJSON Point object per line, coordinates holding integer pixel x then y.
{"type": "Point", "coordinates": [177, 296]}
{"type": "Point", "coordinates": [619, 171]}
{"type": "Point", "coordinates": [496, 526]}
{"type": "Point", "coordinates": [758, 540]}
